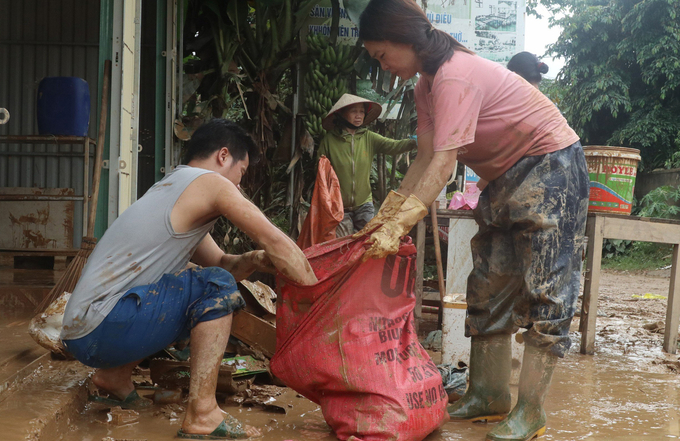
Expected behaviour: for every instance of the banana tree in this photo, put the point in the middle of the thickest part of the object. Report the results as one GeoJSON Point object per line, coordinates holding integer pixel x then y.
{"type": "Point", "coordinates": [245, 49]}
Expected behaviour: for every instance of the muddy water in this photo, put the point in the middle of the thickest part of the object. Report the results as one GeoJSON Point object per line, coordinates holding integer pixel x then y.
{"type": "Point", "coordinates": [44, 391]}
{"type": "Point", "coordinates": [603, 397]}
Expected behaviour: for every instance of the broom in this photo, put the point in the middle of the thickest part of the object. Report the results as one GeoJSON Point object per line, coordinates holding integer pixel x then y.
{"type": "Point", "coordinates": [69, 279]}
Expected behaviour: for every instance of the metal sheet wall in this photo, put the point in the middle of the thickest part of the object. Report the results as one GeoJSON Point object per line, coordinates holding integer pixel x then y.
{"type": "Point", "coordinates": [41, 38]}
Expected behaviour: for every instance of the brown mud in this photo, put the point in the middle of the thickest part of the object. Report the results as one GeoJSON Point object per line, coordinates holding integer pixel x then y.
{"type": "Point", "coordinates": [629, 390]}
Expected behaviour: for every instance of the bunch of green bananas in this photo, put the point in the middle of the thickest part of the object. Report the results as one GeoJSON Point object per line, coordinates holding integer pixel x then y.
{"type": "Point", "coordinates": [326, 79]}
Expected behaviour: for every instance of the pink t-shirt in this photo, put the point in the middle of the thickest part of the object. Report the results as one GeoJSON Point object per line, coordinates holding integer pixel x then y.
{"type": "Point", "coordinates": [490, 114]}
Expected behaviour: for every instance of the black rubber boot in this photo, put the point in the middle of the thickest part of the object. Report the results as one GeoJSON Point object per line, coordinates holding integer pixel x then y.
{"type": "Point", "coordinates": [488, 395]}
{"type": "Point", "coordinates": [527, 419]}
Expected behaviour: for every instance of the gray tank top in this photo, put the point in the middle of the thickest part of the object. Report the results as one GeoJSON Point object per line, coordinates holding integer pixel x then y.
{"type": "Point", "coordinates": [138, 249]}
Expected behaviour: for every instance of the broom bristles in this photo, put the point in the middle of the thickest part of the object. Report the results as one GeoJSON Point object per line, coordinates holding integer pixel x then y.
{"type": "Point", "coordinates": [67, 282]}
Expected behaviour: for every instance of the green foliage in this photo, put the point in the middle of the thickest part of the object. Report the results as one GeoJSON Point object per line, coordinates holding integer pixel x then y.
{"type": "Point", "coordinates": [661, 202]}
{"type": "Point", "coordinates": [614, 247]}
{"type": "Point", "coordinates": [621, 79]}
{"type": "Point", "coordinates": [673, 161]}
{"type": "Point", "coordinates": [641, 256]}
{"type": "Point", "coordinates": [624, 254]}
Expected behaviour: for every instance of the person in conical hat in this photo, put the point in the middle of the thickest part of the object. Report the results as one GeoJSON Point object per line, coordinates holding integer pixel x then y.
{"type": "Point", "coordinates": [351, 147]}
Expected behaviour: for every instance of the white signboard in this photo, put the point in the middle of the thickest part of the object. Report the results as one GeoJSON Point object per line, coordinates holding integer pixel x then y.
{"type": "Point", "coordinates": [494, 29]}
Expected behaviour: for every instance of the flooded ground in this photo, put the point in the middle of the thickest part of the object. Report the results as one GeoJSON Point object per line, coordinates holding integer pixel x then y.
{"type": "Point", "coordinates": [629, 390]}
{"type": "Point", "coordinates": [603, 397]}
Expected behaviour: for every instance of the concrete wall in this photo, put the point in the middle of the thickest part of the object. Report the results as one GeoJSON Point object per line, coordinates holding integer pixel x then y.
{"type": "Point", "coordinates": [647, 182]}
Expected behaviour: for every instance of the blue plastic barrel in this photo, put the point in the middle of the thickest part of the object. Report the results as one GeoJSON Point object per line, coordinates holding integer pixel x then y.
{"type": "Point", "coordinates": [63, 106]}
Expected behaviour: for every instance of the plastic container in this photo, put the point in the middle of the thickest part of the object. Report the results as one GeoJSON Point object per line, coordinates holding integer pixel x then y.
{"type": "Point", "coordinates": [612, 173]}
{"type": "Point", "coordinates": [63, 106]}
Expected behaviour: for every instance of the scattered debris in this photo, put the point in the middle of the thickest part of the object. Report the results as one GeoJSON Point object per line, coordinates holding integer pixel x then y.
{"type": "Point", "coordinates": [120, 417]}
{"type": "Point", "coordinates": [236, 374]}
{"type": "Point", "coordinates": [263, 295]}
{"type": "Point", "coordinates": [649, 296]}
{"type": "Point", "coordinates": [433, 341]}
{"type": "Point", "coordinates": [170, 411]}
{"type": "Point", "coordinates": [454, 379]}
{"type": "Point", "coordinates": [255, 331]}
{"type": "Point", "coordinates": [263, 396]}
{"type": "Point", "coordinates": [110, 438]}
{"type": "Point", "coordinates": [167, 396]}
{"type": "Point", "coordinates": [656, 327]}
{"type": "Point", "coordinates": [672, 365]}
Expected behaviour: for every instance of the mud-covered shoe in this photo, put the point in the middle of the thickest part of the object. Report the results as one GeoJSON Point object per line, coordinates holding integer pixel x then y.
{"type": "Point", "coordinates": [521, 425]}
{"type": "Point", "coordinates": [132, 401]}
{"type": "Point", "coordinates": [230, 428]}
{"type": "Point", "coordinates": [488, 395]}
{"type": "Point", "coordinates": [527, 420]}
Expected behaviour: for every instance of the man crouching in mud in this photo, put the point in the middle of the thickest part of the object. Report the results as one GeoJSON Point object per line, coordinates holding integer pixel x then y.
{"type": "Point", "coordinates": [138, 295]}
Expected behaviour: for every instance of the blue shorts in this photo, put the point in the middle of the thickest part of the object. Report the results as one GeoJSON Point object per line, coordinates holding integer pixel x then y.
{"type": "Point", "coordinates": [150, 318]}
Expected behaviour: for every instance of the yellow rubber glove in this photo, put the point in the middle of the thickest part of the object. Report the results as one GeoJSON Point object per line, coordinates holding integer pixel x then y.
{"type": "Point", "coordinates": [385, 240]}
{"type": "Point", "coordinates": [389, 208]}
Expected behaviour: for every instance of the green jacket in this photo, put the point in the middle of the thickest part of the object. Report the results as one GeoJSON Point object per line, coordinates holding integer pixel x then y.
{"type": "Point", "coordinates": [352, 157]}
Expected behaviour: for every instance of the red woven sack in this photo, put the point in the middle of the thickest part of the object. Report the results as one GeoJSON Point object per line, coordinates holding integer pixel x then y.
{"type": "Point", "coordinates": [348, 343]}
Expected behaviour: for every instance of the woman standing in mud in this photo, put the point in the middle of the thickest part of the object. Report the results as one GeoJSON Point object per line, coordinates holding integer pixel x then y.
{"type": "Point", "coordinates": [531, 214]}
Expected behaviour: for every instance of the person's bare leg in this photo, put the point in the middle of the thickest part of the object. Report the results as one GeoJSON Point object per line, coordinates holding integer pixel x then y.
{"type": "Point", "coordinates": [117, 381]}
{"type": "Point", "coordinates": [208, 342]}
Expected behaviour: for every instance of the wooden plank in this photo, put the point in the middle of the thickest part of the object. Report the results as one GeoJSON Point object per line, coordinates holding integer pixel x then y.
{"type": "Point", "coordinates": [455, 214]}
{"type": "Point", "coordinates": [255, 331]}
{"type": "Point", "coordinates": [420, 264]}
{"type": "Point", "coordinates": [632, 229]}
{"type": "Point", "coordinates": [44, 139]}
{"type": "Point", "coordinates": [637, 218]}
{"type": "Point", "coordinates": [594, 231]}
{"type": "Point", "coordinates": [39, 251]}
{"type": "Point", "coordinates": [670, 337]}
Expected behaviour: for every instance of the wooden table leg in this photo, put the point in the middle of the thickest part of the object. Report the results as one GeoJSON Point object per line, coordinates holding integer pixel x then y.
{"type": "Point", "coordinates": [670, 336]}
{"type": "Point", "coordinates": [595, 232]}
{"type": "Point", "coordinates": [420, 264]}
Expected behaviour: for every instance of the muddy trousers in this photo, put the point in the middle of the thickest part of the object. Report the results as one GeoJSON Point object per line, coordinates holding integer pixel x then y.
{"type": "Point", "coordinates": [355, 220]}
{"type": "Point", "coordinates": [528, 250]}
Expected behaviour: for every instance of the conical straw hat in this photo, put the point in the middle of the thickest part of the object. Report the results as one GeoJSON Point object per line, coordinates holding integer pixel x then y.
{"type": "Point", "coordinates": [374, 110]}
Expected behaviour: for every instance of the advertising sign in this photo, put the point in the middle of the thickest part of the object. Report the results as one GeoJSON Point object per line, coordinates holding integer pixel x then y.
{"type": "Point", "coordinates": [494, 29]}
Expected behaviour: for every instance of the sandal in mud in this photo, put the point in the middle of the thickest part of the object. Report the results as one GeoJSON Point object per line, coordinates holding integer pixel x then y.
{"type": "Point", "coordinates": [229, 428]}
{"type": "Point", "coordinates": [132, 401]}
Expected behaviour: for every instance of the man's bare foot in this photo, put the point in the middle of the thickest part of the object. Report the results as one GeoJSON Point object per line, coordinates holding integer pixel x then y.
{"type": "Point", "coordinates": [111, 381]}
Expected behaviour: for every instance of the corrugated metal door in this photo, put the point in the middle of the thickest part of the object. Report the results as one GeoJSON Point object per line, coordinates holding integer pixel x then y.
{"type": "Point", "coordinates": [39, 39]}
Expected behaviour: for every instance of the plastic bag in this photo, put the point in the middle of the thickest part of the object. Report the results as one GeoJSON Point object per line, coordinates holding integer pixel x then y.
{"type": "Point", "coordinates": [349, 344]}
{"type": "Point", "coordinates": [45, 327]}
{"type": "Point", "coordinates": [326, 210]}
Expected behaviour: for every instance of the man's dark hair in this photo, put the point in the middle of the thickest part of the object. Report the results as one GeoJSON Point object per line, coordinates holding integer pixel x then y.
{"type": "Point", "coordinates": [218, 133]}
{"type": "Point", "coordinates": [403, 21]}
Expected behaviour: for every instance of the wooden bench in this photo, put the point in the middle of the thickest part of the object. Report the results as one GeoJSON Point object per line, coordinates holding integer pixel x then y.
{"type": "Point", "coordinates": [608, 226]}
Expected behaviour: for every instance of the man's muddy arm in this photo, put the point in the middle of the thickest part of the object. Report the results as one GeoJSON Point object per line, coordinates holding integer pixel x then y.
{"type": "Point", "coordinates": [284, 254]}
{"type": "Point", "coordinates": [240, 266]}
